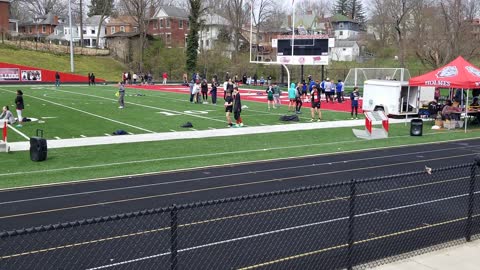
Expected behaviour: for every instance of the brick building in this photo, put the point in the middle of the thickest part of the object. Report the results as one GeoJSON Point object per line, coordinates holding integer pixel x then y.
{"type": "Point", "coordinates": [39, 27]}
{"type": "Point", "coordinates": [4, 15]}
{"type": "Point", "coordinates": [126, 24]}
{"type": "Point", "coordinates": [171, 25]}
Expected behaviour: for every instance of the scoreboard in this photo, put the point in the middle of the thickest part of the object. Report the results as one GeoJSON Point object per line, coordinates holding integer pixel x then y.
{"type": "Point", "coordinates": [307, 49]}
{"type": "Point", "coordinates": [302, 46]}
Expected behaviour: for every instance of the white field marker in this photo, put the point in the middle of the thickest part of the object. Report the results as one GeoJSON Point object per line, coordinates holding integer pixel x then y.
{"type": "Point", "coordinates": [106, 134]}
{"type": "Point", "coordinates": [83, 136]}
{"type": "Point", "coordinates": [58, 138]}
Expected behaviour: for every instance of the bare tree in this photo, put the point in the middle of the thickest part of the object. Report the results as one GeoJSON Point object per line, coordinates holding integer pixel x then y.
{"type": "Point", "coordinates": [400, 11]}
{"type": "Point", "coordinates": [141, 11]}
{"type": "Point", "coordinates": [37, 8]}
{"type": "Point", "coordinates": [321, 8]}
{"type": "Point", "coordinates": [237, 13]}
{"type": "Point", "coordinates": [448, 32]}
{"type": "Point", "coordinates": [262, 11]}
{"type": "Point", "coordinates": [381, 21]}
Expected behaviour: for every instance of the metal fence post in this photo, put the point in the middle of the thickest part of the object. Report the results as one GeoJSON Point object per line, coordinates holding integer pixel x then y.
{"type": "Point", "coordinates": [173, 237]}
{"type": "Point", "coordinates": [471, 197]}
{"type": "Point", "coordinates": [351, 219]}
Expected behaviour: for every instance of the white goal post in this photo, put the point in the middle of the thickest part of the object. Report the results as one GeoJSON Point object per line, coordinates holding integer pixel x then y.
{"type": "Point", "coordinates": [356, 76]}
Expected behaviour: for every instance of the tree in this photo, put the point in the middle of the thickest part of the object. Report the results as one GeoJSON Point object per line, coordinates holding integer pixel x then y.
{"type": "Point", "coordinates": [342, 7]}
{"type": "Point", "coordinates": [104, 8]}
{"type": "Point", "coordinates": [141, 11]}
{"type": "Point", "coordinates": [196, 11]}
{"type": "Point", "coordinates": [238, 13]}
{"type": "Point", "coordinates": [262, 11]}
{"type": "Point", "coordinates": [37, 8]}
{"type": "Point", "coordinates": [399, 11]}
{"type": "Point", "coordinates": [356, 11]}
{"type": "Point", "coordinates": [446, 30]}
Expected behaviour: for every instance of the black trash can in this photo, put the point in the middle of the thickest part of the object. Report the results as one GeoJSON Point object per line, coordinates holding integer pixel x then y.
{"type": "Point", "coordinates": [416, 127]}
{"type": "Point", "coordinates": [38, 147]}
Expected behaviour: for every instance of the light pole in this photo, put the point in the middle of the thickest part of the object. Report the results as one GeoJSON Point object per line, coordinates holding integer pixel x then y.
{"type": "Point", "coordinates": [72, 67]}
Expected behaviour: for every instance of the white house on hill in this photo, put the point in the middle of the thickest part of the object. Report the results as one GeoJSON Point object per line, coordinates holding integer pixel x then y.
{"type": "Point", "coordinates": [345, 50]}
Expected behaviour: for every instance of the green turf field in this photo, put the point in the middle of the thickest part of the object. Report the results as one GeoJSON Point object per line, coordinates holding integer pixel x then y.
{"type": "Point", "coordinates": [73, 112]}
{"type": "Point", "coordinates": [82, 111]}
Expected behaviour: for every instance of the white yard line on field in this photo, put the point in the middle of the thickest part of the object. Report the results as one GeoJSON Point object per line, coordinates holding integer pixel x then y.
{"type": "Point", "coordinates": [143, 105]}
{"type": "Point", "coordinates": [85, 112]}
{"type": "Point", "coordinates": [18, 132]}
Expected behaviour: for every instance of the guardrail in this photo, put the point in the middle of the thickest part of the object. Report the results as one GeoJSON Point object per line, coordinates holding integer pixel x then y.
{"type": "Point", "coordinates": [354, 224]}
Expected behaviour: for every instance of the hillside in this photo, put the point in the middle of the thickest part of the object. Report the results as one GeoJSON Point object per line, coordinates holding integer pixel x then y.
{"type": "Point", "coordinates": [104, 67]}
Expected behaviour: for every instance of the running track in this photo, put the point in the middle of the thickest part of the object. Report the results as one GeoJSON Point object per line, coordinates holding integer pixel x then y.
{"type": "Point", "coordinates": [28, 207]}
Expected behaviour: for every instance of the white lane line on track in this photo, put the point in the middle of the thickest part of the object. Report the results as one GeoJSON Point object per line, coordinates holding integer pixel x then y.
{"type": "Point", "coordinates": [19, 133]}
{"type": "Point", "coordinates": [85, 112]}
{"type": "Point", "coordinates": [281, 231]}
{"type": "Point", "coordinates": [145, 106]}
{"type": "Point", "coordinates": [188, 180]}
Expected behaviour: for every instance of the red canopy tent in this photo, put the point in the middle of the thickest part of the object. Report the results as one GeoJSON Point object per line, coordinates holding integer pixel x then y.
{"type": "Point", "coordinates": [457, 74]}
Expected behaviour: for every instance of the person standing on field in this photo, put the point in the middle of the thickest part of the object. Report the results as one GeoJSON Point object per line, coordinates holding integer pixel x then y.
{"type": "Point", "coordinates": [20, 106]}
{"type": "Point", "coordinates": [57, 79]}
{"type": "Point", "coordinates": [270, 97]}
{"type": "Point", "coordinates": [165, 77]}
{"type": "Point", "coordinates": [276, 96]}
{"type": "Point", "coordinates": [228, 108]}
{"type": "Point", "coordinates": [354, 97]}
{"type": "Point", "coordinates": [237, 107]}
{"type": "Point", "coordinates": [291, 96]}
{"type": "Point", "coordinates": [121, 95]}
{"type": "Point", "coordinates": [213, 91]}
{"type": "Point", "coordinates": [315, 104]}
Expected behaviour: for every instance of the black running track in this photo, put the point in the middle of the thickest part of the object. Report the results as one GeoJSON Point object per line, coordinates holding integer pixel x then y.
{"type": "Point", "coordinates": [30, 207]}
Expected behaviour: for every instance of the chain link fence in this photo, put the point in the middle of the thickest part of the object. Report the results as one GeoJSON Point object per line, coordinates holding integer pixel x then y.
{"type": "Point", "coordinates": [351, 225]}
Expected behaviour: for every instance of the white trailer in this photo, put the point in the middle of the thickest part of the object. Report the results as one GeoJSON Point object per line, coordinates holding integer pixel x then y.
{"type": "Point", "coordinates": [395, 98]}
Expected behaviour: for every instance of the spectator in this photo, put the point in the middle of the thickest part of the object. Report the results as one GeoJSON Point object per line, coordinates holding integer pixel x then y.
{"type": "Point", "coordinates": [92, 78]}
{"type": "Point", "coordinates": [165, 77]}
{"type": "Point", "coordinates": [7, 115]}
{"type": "Point", "coordinates": [269, 79]}
{"type": "Point", "coordinates": [135, 78]}
{"type": "Point", "coordinates": [262, 81]}
{"type": "Point", "coordinates": [57, 79]}
{"type": "Point", "coordinates": [449, 112]}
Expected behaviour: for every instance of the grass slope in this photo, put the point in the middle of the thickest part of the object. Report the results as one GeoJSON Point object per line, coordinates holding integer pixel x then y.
{"type": "Point", "coordinates": [103, 67]}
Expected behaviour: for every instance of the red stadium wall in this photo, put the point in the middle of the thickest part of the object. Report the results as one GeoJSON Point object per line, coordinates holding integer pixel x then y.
{"type": "Point", "coordinates": [11, 73]}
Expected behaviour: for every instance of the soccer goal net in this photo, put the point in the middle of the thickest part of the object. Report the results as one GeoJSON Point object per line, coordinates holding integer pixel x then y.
{"type": "Point", "coordinates": [357, 76]}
